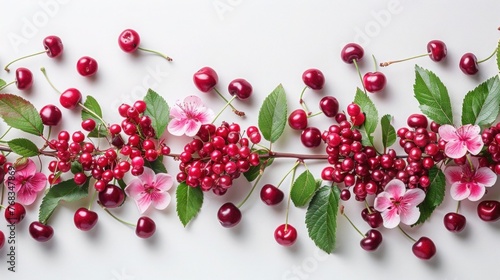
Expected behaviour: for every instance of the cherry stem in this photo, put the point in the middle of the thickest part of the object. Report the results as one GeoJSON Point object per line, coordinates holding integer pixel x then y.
{"type": "Point", "coordinates": [251, 191]}
{"type": "Point", "coordinates": [290, 196]}
{"type": "Point", "coordinates": [406, 234]}
{"type": "Point", "coordinates": [223, 108]}
{"type": "Point", "coordinates": [368, 207]}
{"type": "Point", "coordinates": [359, 73]}
{"type": "Point", "coordinates": [374, 62]}
{"type": "Point", "coordinates": [156, 52]}
{"type": "Point", "coordinates": [23, 57]}
{"type": "Point", "coordinates": [91, 112]}
{"type": "Point", "coordinates": [2, 196]}
{"type": "Point", "coordinates": [48, 80]}
{"type": "Point", "coordinates": [5, 133]}
{"type": "Point", "coordinates": [302, 102]}
{"type": "Point", "coordinates": [6, 85]}
{"type": "Point", "coordinates": [239, 113]}
{"type": "Point", "coordinates": [92, 199]}
{"type": "Point", "coordinates": [352, 224]}
{"type": "Point", "coordinates": [385, 64]}
{"type": "Point", "coordinates": [458, 206]}
{"type": "Point", "coordinates": [116, 218]}
{"type": "Point", "coordinates": [314, 115]}
{"type": "Point", "coordinates": [288, 173]}
{"type": "Point", "coordinates": [491, 55]}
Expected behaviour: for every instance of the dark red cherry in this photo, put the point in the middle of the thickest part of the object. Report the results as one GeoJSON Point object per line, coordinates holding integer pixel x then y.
{"type": "Point", "coordinates": [241, 88]}
{"type": "Point", "coordinates": [468, 64]}
{"type": "Point", "coordinates": [374, 81]}
{"type": "Point", "coordinates": [350, 52]}
{"type": "Point", "coordinates": [2, 239]}
{"type": "Point", "coordinates": [454, 222]}
{"type": "Point", "coordinates": [311, 137]}
{"type": "Point", "coordinates": [329, 105]}
{"type": "Point", "coordinates": [489, 210]}
{"type": "Point", "coordinates": [85, 219]}
{"type": "Point", "coordinates": [15, 213]}
{"type": "Point", "coordinates": [50, 115]}
{"type": "Point", "coordinates": [313, 78]}
{"type": "Point", "coordinates": [86, 66]}
{"type": "Point", "coordinates": [41, 232]}
{"type": "Point", "coordinates": [70, 98]}
{"type": "Point", "coordinates": [424, 248]}
{"type": "Point", "coordinates": [285, 235]}
{"type": "Point", "coordinates": [271, 195]}
{"type": "Point", "coordinates": [371, 241]}
{"type": "Point", "coordinates": [417, 121]}
{"type": "Point", "coordinates": [53, 46]}
{"type": "Point", "coordinates": [24, 78]}
{"type": "Point", "coordinates": [229, 215]}
{"type": "Point", "coordinates": [112, 196]}
{"type": "Point", "coordinates": [437, 50]}
{"type": "Point", "coordinates": [129, 40]}
{"type": "Point", "coordinates": [298, 119]}
{"type": "Point", "coordinates": [145, 228]}
{"type": "Point", "coordinates": [205, 79]}
{"type": "Point", "coordinates": [374, 219]}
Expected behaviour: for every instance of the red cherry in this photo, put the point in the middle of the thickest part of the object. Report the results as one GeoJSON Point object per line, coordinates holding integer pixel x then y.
{"type": "Point", "coordinates": [285, 235]}
{"type": "Point", "coordinates": [85, 219]}
{"type": "Point", "coordinates": [372, 240]}
{"type": "Point", "coordinates": [15, 213]}
{"type": "Point", "coordinates": [374, 219]}
{"type": "Point", "coordinates": [2, 239]}
{"type": "Point", "coordinates": [311, 137]}
{"type": "Point", "coordinates": [70, 98]}
{"type": "Point", "coordinates": [145, 228]}
{"type": "Point", "coordinates": [437, 50]}
{"type": "Point", "coordinates": [329, 105]}
{"type": "Point", "coordinates": [88, 124]}
{"type": "Point", "coordinates": [424, 248]}
{"type": "Point", "coordinates": [241, 88]}
{"type": "Point", "coordinates": [112, 196]}
{"type": "Point", "coordinates": [271, 195]}
{"type": "Point", "coordinates": [353, 109]}
{"type": "Point", "coordinates": [41, 232]}
{"type": "Point", "coordinates": [454, 222]}
{"type": "Point", "coordinates": [468, 64]}
{"type": "Point", "coordinates": [298, 119]}
{"type": "Point", "coordinates": [374, 81]}
{"type": "Point", "coordinates": [53, 46]}
{"type": "Point", "coordinates": [359, 119]}
{"type": "Point", "coordinates": [50, 115]}
{"type": "Point", "coordinates": [205, 79]}
{"type": "Point", "coordinates": [86, 66]}
{"type": "Point", "coordinates": [313, 78]}
{"type": "Point", "coordinates": [24, 78]}
{"type": "Point", "coordinates": [417, 120]}
{"type": "Point", "coordinates": [351, 52]}
{"type": "Point", "coordinates": [129, 40]}
{"type": "Point", "coordinates": [489, 210]}
{"type": "Point", "coordinates": [229, 215]}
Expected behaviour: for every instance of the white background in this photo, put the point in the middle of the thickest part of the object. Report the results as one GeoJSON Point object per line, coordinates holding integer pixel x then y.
{"type": "Point", "coordinates": [267, 43]}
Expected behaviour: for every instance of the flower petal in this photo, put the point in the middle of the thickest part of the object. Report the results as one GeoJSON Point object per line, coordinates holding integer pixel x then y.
{"type": "Point", "coordinates": [26, 195]}
{"type": "Point", "coordinates": [176, 126]}
{"type": "Point", "coordinates": [382, 202]}
{"type": "Point", "coordinates": [455, 149]}
{"type": "Point", "coordinates": [396, 188]}
{"type": "Point", "coordinates": [413, 197]}
{"type": "Point", "coordinates": [459, 191]}
{"type": "Point", "coordinates": [148, 177]}
{"type": "Point", "coordinates": [205, 116]}
{"type": "Point", "coordinates": [453, 174]}
{"type": "Point", "coordinates": [485, 176]}
{"type": "Point", "coordinates": [191, 127]}
{"type": "Point", "coordinates": [409, 215]}
{"type": "Point", "coordinates": [164, 182]}
{"type": "Point", "coordinates": [475, 145]}
{"type": "Point", "coordinates": [38, 182]}
{"type": "Point", "coordinates": [160, 200]}
{"type": "Point", "coordinates": [391, 218]}
{"type": "Point", "coordinates": [176, 112]}
{"type": "Point", "coordinates": [26, 170]}
{"type": "Point", "coordinates": [476, 191]}
{"type": "Point", "coordinates": [192, 102]}
{"type": "Point", "coordinates": [134, 188]}
{"type": "Point", "coordinates": [468, 131]}
{"type": "Point", "coordinates": [143, 202]}
{"type": "Point", "coordinates": [447, 132]}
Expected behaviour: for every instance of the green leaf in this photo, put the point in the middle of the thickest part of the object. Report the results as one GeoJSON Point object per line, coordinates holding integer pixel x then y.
{"type": "Point", "coordinates": [2, 83]}
{"type": "Point", "coordinates": [157, 165]}
{"type": "Point", "coordinates": [101, 128]}
{"type": "Point", "coordinates": [432, 96]}
{"type": "Point", "coordinates": [321, 217]}
{"type": "Point", "coordinates": [273, 115]}
{"type": "Point", "coordinates": [434, 196]}
{"type": "Point", "coordinates": [498, 56]}
{"type": "Point", "coordinates": [189, 202]}
{"type": "Point", "coordinates": [254, 171]}
{"type": "Point", "coordinates": [23, 147]}
{"type": "Point", "coordinates": [20, 113]}
{"type": "Point", "coordinates": [159, 112]}
{"type": "Point", "coordinates": [67, 191]}
{"type": "Point", "coordinates": [76, 167]}
{"type": "Point", "coordinates": [303, 189]}
{"type": "Point", "coordinates": [122, 184]}
{"type": "Point", "coordinates": [370, 111]}
{"type": "Point", "coordinates": [388, 131]}
{"type": "Point", "coordinates": [482, 105]}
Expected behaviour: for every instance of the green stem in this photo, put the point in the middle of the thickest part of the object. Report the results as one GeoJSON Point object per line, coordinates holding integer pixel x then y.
{"type": "Point", "coordinates": [3, 193]}
{"type": "Point", "coordinates": [48, 80]}
{"type": "Point", "coordinates": [491, 55]}
{"type": "Point", "coordinates": [5, 133]}
{"type": "Point", "coordinates": [385, 64]}
{"type": "Point", "coordinates": [368, 207]}
{"type": "Point", "coordinates": [406, 234]}
{"type": "Point", "coordinates": [315, 114]}
{"type": "Point", "coordinates": [6, 85]}
{"type": "Point", "coordinates": [251, 191]}
{"type": "Point", "coordinates": [6, 68]}
{"type": "Point", "coordinates": [302, 102]}
{"type": "Point", "coordinates": [458, 206]}
{"type": "Point", "coordinates": [239, 113]}
{"type": "Point", "coordinates": [116, 218]}
{"type": "Point", "coordinates": [92, 199]}
{"type": "Point", "coordinates": [168, 58]}
{"type": "Point", "coordinates": [290, 197]}
{"type": "Point", "coordinates": [374, 63]}
{"type": "Point", "coordinates": [228, 103]}
{"type": "Point", "coordinates": [359, 74]}
{"type": "Point", "coordinates": [352, 224]}
{"type": "Point", "coordinates": [91, 112]}
{"type": "Point", "coordinates": [288, 173]}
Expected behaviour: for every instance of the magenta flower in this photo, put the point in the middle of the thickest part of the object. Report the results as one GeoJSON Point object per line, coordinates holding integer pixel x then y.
{"type": "Point", "coordinates": [469, 180]}
{"type": "Point", "coordinates": [188, 116]}
{"type": "Point", "coordinates": [27, 182]}
{"type": "Point", "coordinates": [459, 141]}
{"type": "Point", "coordinates": [150, 188]}
{"type": "Point", "coordinates": [397, 204]}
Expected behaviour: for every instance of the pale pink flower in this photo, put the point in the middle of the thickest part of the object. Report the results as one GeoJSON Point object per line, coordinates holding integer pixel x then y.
{"type": "Point", "coordinates": [188, 116]}
{"type": "Point", "coordinates": [150, 188]}
{"type": "Point", "coordinates": [27, 182]}
{"type": "Point", "coordinates": [459, 141]}
{"type": "Point", "coordinates": [397, 204]}
{"type": "Point", "coordinates": [469, 180]}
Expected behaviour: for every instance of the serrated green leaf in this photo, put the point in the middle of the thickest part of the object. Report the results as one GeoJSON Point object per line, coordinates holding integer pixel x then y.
{"type": "Point", "coordinates": [434, 195]}
{"type": "Point", "coordinates": [159, 112]}
{"type": "Point", "coordinates": [189, 202]}
{"type": "Point", "coordinates": [321, 217]}
{"type": "Point", "coordinates": [388, 131]}
{"type": "Point", "coordinates": [482, 105]}
{"type": "Point", "coordinates": [20, 113]}
{"type": "Point", "coordinates": [101, 128]}
{"type": "Point", "coordinates": [273, 115]}
{"type": "Point", "coordinates": [157, 165]}
{"type": "Point", "coordinates": [67, 191]}
{"type": "Point", "coordinates": [23, 147]}
{"type": "Point", "coordinates": [432, 96]}
{"type": "Point", "coordinates": [76, 167]}
{"type": "Point", "coordinates": [303, 189]}
{"type": "Point", "coordinates": [254, 171]}
{"type": "Point", "coordinates": [371, 113]}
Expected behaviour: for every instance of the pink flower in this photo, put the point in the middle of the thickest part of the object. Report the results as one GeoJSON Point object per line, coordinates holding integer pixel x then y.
{"type": "Point", "coordinates": [188, 116]}
{"type": "Point", "coordinates": [397, 204]}
{"type": "Point", "coordinates": [469, 180]}
{"type": "Point", "coordinates": [27, 182]}
{"type": "Point", "coordinates": [150, 188]}
{"type": "Point", "coordinates": [465, 138]}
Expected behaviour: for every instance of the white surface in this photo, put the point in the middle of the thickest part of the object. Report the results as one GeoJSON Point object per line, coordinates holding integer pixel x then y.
{"type": "Point", "coordinates": [266, 42]}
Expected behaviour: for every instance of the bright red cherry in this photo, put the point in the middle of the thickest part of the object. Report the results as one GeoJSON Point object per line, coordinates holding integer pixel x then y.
{"type": "Point", "coordinates": [15, 213]}
{"type": "Point", "coordinates": [437, 50]}
{"type": "Point", "coordinates": [241, 88]}
{"type": "Point", "coordinates": [374, 81]}
{"type": "Point", "coordinates": [298, 119]}
{"type": "Point", "coordinates": [41, 232]}
{"type": "Point", "coordinates": [417, 121]}
{"type": "Point", "coordinates": [454, 222]}
{"type": "Point", "coordinates": [112, 196]}
{"type": "Point", "coordinates": [311, 137]}
{"type": "Point", "coordinates": [424, 248]}
{"type": "Point", "coordinates": [70, 98]}
{"type": "Point", "coordinates": [129, 40]}
{"type": "Point", "coordinates": [313, 78]}
{"type": "Point", "coordinates": [24, 78]}
{"type": "Point", "coordinates": [271, 195]}
{"type": "Point", "coordinates": [205, 79]}
{"type": "Point", "coordinates": [2, 239]}
{"type": "Point", "coordinates": [374, 219]}
{"type": "Point", "coordinates": [353, 109]}
{"type": "Point", "coordinates": [53, 46]}
{"type": "Point", "coordinates": [86, 66]}
{"type": "Point", "coordinates": [50, 115]}
{"type": "Point", "coordinates": [229, 215]}
{"type": "Point", "coordinates": [358, 120]}
{"type": "Point", "coordinates": [285, 235]}
{"type": "Point", "coordinates": [371, 241]}
{"type": "Point", "coordinates": [329, 105]}
{"type": "Point", "coordinates": [489, 210]}
{"type": "Point", "coordinates": [85, 219]}
{"type": "Point", "coordinates": [145, 228]}
{"type": "Point", "coordinates": [468, 64]}
{"type": "Point", "coordinates": [351, 52]}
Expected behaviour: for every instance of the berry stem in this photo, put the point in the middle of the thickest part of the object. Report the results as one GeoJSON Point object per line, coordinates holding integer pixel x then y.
{"type": "Point", "coordinates": [5, 133]}
{"type": "Point", "coordinates": [288, 173]}
{"type": "Point", "coordinates": [168, 58]}
{"type": "Point", "coordinates": [251, 190]}
{"type": "Point", "coordinates": [228, 103]}
{"type": "Point", "coordinates": [6, 68]}
{"type": "Point", "coordinates": [458, 206]}
{"type": "Point", "coordinates": [374, 63]}
{"type": "Point", "coordinates": [359, 74]}
{"type": "Point", "coordinates": [91, 112]}
{"type": "Point", "coordinates": [290, 196]}
{"type": "Point", "coordinates": [92, 199]}
{"type": "Point", "coordinates": [385, 64]}
{"type": "Point", "coordinates": [239, 113]}
{"type": "Point", "coordinates": [2, 196]}
{"type": "Point", "coordinates": [116, 218]}
{"type": "Point", "coordinates": [368, 207]}
{"type": "Point", "coordinates": [406, 234]}
{"type": "Point", "coordinates": [302, 102]}
{"type": "Point", "coordinates": [6, 85]}
{"type": "Point", "coordinates": [352, 224]}
{"type": "Point", "coordinates": [310, 115]}
{"type": "Point", "coordinates": [491, 55]}
{"type": "Point", "coordinates": [48, 80]}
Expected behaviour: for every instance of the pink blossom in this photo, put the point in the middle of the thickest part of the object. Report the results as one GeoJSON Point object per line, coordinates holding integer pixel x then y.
{"type": "Point", "coordinates": [459, 141]}
{"type": "Point", "coordinates": [469, 180]}
{"type": "Point", "coordinates": [188, 116]}
{"type": "Point", "coordinates": [150, 188]}
{"type": "Point", "coordinates": [397, 204]}
{"type": "Point", "coordinates": [27, 182]}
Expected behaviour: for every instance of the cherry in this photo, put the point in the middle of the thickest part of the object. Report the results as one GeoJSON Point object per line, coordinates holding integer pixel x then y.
{"type": "Point", "coordinates": [85, 219]}
{"type": "Point", "coordinates": [229, 215]}
{"type": "Point", "coordinates": [353, 109]}
{"type": "Point", "coordinates": [271, 195]}
{"type": "Point", "coordinates": [240, 87]}
{"type": "Point", "coordinates": [313, 78]}
{"type": "Point", "coordinates": [489, 210]}
{"type": "Point", "coordinates": [311, 137]}
{"type": "Point", "coordinates": [15, 213]}
{"type": "Point", "coordinates": [371, 241]}
{"type": "Point", "coordinates": [205, 79]}
{"type": "Point", "coordinates": [298, 119]}
{"type": "Point", "coordinates": [24, 78]}
{"type": "Point", "coordinates": [424, 248]}
{"type": "Point", "coordinates": [41, 232]}
{"type": "Point", "coordinates": [329, 105]}
{"type": "Point", "coordinates": [454, 222]}
{"type": "Point", "coordinates": [88, 124]}
{"type": "Point", "coordinates": [351, 52]}
{"type": "Point", "coordinates": [86, 66]}
{"type": "Point", "coordinates": [437, 50]}
{"type": "Point", "coordinates": [53, 46]}
{"type": "Point", "coordinates": [145, 228]}
{"type": "Point", "coordinates": [285, 235]}
{"type": "Point", "coordinates": [374, 219]}
{"type": "Point", "coordinates": [374, 81]}
{"type": "Point", "coordinates": [50, 115]}
{"type": "Point", "coordinates": [358, 120]}
{"type": "Point", "coordinates": [70, 98]}
{"type": "Point", "coordinates": [112, 196]}
{"type": "Point", "coordinates": [417, 120]}
{"type": "Point", "coordinates": [2, 239]}
{"type": "Point", "coordinates": [129, 40]}
{"type": "Point", "coordinates": [468, 64]}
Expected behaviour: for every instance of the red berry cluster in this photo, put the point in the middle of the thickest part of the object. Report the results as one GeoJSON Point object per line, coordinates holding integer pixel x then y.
{"type": "Point", "coordinates": [218, 156]}
{"type": "Point", "coordinates": [491, 139]}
